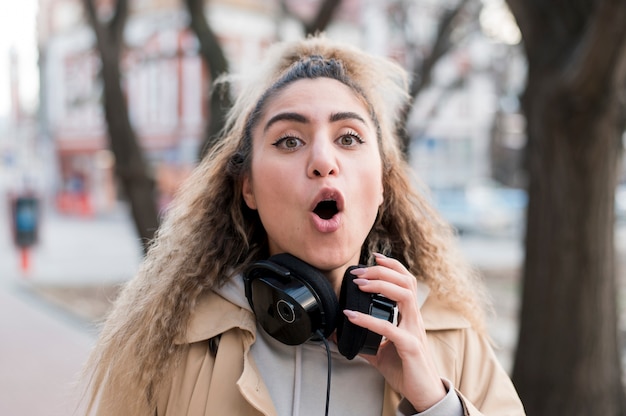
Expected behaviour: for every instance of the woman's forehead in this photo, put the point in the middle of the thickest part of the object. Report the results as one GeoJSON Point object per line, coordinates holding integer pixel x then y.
{"type": "Point", "coordinates": [301, 99]}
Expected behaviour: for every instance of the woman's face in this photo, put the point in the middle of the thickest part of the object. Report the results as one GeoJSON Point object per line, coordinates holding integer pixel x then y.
{"type": "Point", "coordinates": [316, 174]}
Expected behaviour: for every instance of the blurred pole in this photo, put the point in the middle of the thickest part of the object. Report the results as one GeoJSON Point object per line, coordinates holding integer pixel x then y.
{"type": "Point", "coordinates": [25, 261]}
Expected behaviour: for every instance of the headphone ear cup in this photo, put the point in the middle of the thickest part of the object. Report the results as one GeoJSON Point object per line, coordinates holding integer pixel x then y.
{"type": "Point", "coordinates": [321, 287]}
{"type": "Point", "coordinates": [351, 337]}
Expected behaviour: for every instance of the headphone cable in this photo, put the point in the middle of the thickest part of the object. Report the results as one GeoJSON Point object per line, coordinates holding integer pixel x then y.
{"type": "Point", "coordinates": [319, 333]}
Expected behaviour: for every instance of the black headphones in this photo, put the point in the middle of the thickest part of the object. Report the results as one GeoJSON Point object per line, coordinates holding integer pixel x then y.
{"type": "Point", "coordinates": [294, 302]}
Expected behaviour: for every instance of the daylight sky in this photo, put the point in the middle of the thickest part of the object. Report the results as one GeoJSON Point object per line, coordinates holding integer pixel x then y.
{"type": "Point", "coordinates": [17, 30]}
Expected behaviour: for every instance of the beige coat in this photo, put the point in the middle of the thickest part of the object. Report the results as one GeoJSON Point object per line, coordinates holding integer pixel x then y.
{"type": "Point", "coordinates": [229, 383]}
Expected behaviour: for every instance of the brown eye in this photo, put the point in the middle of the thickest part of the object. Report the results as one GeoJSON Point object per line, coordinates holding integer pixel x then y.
{"type": "Point", "coordinates": [291, 142]}
{"type": "Point", "coordinates": [288, 143]}
{"type": "Point", "coordinates": [349, 140]}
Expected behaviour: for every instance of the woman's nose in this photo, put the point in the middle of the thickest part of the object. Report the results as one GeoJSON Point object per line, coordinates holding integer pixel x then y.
{"type": "Point", "coordinates": [322, 161]}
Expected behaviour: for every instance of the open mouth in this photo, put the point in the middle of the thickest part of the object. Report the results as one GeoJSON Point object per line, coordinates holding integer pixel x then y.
{"type": "Point", "coordinates": [326, 209]}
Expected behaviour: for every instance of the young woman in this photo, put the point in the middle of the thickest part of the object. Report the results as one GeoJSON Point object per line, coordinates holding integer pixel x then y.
{"type": "Point", "coordinates": [307, 180]}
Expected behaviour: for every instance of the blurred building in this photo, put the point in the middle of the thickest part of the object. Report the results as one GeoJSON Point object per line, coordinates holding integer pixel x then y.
{"type": "Point", "coordinates": [164, 78]}
{"type": "Point", "coordinates": [166, 83]}
{"type": "Point", "coordinates": [21, 167]}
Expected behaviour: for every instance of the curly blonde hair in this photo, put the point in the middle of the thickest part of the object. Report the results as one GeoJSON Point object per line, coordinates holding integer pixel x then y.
{"type": "Point", "coordinates": [209, 234]}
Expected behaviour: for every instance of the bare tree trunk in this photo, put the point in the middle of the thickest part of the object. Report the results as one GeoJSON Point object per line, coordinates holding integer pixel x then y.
{"type": "Point", "coordinates": [130, 166]}
{"type": "Point", "coordinates": [220, 100]}
{"type": "Point", "coordinates": [568, 360]}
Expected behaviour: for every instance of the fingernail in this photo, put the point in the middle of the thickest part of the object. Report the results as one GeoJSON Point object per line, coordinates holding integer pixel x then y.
{"type": "Point", "coordinates": [380, 255]}
{"type": "Point", "coordinates": [350, 314]}
{"type": "Point", "coordinates": [361, 282]}
{"type": "Point", "coordinates": [358, 272]}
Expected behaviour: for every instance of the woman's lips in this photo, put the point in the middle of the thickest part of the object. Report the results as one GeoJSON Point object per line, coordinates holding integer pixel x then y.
{"type": "Point", "coordinates": [326, 226]}
{"type": "Point", "coordinates": [327, 209]}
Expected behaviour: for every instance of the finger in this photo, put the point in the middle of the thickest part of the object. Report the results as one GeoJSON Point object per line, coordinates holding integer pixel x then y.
{"type": "Point", "coordinates": [402, 339]}
{"type": "Point", "coordinates": [390, 263]}
{"type": "Point", "coordinates": [409, 315]}
{"type": "Point", "coordinates": [381, 272]}
{"type": "Point", "coordinates": [375, 274]}
{"type": "Point", "coordinates": [377, 325]}
{"type": "Point", "coordinates": [390, 290]}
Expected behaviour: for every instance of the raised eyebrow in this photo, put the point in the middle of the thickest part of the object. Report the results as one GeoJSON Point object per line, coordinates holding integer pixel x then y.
{"type": "Point", "coordinates": [346, 115]}
{"type": "Point", "coordinates": [297, 117]}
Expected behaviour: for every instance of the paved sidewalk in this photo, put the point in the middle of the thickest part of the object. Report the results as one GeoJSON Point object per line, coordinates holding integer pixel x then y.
{"type": "Point", "coordinates": [41, 354]}
{"type": "Point", "coordinates": [43, 346]}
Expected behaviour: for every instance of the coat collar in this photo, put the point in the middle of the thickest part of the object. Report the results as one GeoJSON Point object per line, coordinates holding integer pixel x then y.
{"type": "Point", "coordinates": [213, 315]}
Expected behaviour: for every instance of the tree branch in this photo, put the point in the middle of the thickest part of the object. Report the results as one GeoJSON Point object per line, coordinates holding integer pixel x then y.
{"type": "Point", "coordinates": [422, 71]}
{"type": "Point", "coordinates": [111, 34]}
{"type": "Point", "coordinates": [215, 59]}
{"type": "Point", "coordinates": [91, 11]}
{"type": "Point", "coordinates": [118, 22]}
{"type": "Point", "coordinates": [92, 16]}
{"type": "Point", "coordinates": [323, 18]}
{"type": "Point", "coordinates": [210, 48]}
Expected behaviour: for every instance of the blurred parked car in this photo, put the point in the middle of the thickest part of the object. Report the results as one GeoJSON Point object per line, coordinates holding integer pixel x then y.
{"type": "Point", "coordinates": [483, 208]}
{"type": "Point", "coordinates": [490, 209]}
